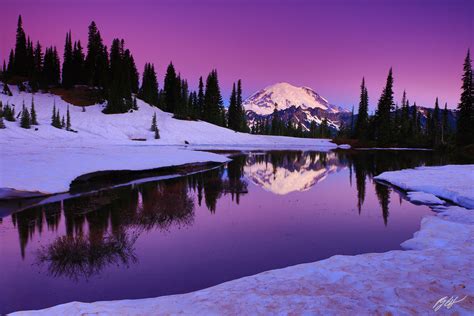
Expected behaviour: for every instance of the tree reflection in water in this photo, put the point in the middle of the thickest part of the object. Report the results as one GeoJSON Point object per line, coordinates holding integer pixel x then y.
{"type": "Point", "coordinates": [102, 227]}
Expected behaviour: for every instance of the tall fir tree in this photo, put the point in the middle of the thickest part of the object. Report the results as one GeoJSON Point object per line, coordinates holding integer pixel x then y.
{"type": "Point", "coordinates": [200, 99]}
{"type": "Point", "coordinates": [171, 89]}
{"type": "Point", "coordinates": [233, 112]}
{"type": "Point", "coordinates": [68, 119]}
{"type": "Point", "coordinates": [119, 94]}
{"type": "Point", "coordinates": [25, 121]}
{"type": "Point", "coordinates": [213, 104]}
{"type": "Point", "coordinates": [78, 63]}
{"type": "Point", "coordinates": [67, 74]}
{"type": "Point", "coordinates": [445, 125]}
{"type": "Point", "coordinates": [383, 114]}
{"type": "Point", "coordinates": [240, 109]}
{"type": "Point", "coordinates": [34, 120]}
{"type": "Point", "coordinates": [465, 124]}
{"type": "Point", "coordinates": [37, 67]}
{"type": "Point", "coordinates": [362, 123]}
{"type": "Point", "coordinates": [20, 60]}
{"type": "Point", "coordinates": [149, 90]}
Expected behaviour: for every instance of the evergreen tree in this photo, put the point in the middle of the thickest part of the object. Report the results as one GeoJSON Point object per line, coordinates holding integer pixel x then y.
{"type": "Point", "coordinates": [78, 63]}
{"type": "Point", "coordinates": [157, 133]}
{"type": "Point", "coordinates": [68, 119]}
{"type": "Point", "coordinates": [325, 132]}
{"type": "Point", "coordinates": [362, 123]}
{"type": "Point", "coordinates": [25, 121]}
{"type": "Point", "coordinates": [34, 120]}
{"type": "Point", "coordinates": [11, 64]}
{"type": "Point", "coordinates": [119, 99]}
{"type": "Point", "coordinates": [436, 133]}
{"type": "Point", "coordinates": [63, 122]}
{"type": "Point", "coordinates": [213, 104]}
{"type": "Point", "coordinates": [149, 89]}
{"type": "Point", "coordinates": [200, 99]}
{"type": "Point", "coordinates": [68, 75]}
{"type": "Point", "coordinates": [171, 89]}
{"type": "Point", "coordinates": [35, 80]}
{"type": "Point", "coordinates": [276, 124]}
{"type": "Point", "coordinates": [20, 60]}
{"type": "Point", "coordinates": [233, 112]}
{"type": "Point", "coordinates": [240, 109]}
{"type": "Point", "coordinates": [465, 124]}
{"type": "Point", "coordinates": [384, 108]}
{"type": "Point", "coordinates": [153, 123]}
{"type": "Point", "coordinates": [9, 113]}
{"type": "Point", "coordinates": [444, 125]}
{"type": "Point", "coordinates": [51, 68]}
{"type": "Point", "coordinates": [2, 124]}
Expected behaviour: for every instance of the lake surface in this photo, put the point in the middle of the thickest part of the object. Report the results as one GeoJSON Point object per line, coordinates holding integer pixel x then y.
{"type": "Point", "coordinates": [262, 211]}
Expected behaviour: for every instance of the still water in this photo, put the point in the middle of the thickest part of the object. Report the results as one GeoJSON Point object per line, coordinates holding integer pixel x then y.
{"type": "Point", "coordinates": [262, 211]}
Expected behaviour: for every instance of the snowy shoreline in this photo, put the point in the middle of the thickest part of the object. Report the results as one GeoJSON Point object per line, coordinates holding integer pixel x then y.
{"type": "Point", "coordinates": [436, 262]}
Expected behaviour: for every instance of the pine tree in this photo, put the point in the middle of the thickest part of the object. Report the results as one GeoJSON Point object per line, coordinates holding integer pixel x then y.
{"type": "Point", "coordinates": [34, 120]}
{"type": "Point", "coordinates": [9, 113]}
{"type": "Point", "coordinates": [25, 121]}
{"type": "Point", "coordinates": [465, 124]}
{"type": "Point", "coordinates": [68, 75]}
{"type": "Point", "coordinates": [153, 122]}
{"type": "Point", "coordinates": [213, 104]}
{"type": "Point", "coordinates": [383, 114]}
{"type": "Point", "coordinates": [55, 118]}
{"type": "Point", "coordinates": [362, 123]}
{"type": "Point", "coordinates": [200, 99]}
{"type": "Point", "coordinates": [11, 64]}
{"type": "Point", "coordinates": [157, 133]}
{"type": "Point", "coordinates": [78, 63]}
{"type": "Point", "coordinates": [149, 90]}
{"type": "Point", "coordinates": [35, 80]}
{"type": "Point", "coordinates": [445, 126]}
{"type": "Point", "coordinates": [171, 89]}
{"type": "Point", "coordinates": [96, 62]}
{"type": "Point", "coordinates": [68, 119]}
{"type": "Point", "coordinates": [233, 112]}
{"type": "Point", "coordinates": [119, 94]}
{"type": "Point", "coordinates": [20, 60]}
{"type": "Point", "coordinates": [240, 109]}
{"type": "Point", "coordinates": [436, 133]}
{"type": "Point", "coordinates": [2, 124]}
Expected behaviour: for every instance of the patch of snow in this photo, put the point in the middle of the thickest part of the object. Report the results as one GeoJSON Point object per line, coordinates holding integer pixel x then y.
{"type": "Point", "coordinates": [450, 182]}
{"type": "Point", "coordinates": [424, 198]}
{"type": "Point", "coordinates": [437, 262]}
{"type": "Point", "coordinates": [344, 146]}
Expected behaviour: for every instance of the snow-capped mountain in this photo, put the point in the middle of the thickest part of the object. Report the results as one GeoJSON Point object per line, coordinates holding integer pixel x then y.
{"type": "Point", "coordinates": [300, 104]}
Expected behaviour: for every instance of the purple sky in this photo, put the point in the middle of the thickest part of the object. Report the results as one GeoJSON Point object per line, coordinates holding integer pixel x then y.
{"type": "Point", "coordinates": [326, 45]}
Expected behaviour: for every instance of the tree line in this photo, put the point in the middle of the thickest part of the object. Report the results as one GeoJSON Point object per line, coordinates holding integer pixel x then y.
{"type": "Point", "coordinates": [113, 73]}
{"type": "Point", "coordinates": [410, 125]}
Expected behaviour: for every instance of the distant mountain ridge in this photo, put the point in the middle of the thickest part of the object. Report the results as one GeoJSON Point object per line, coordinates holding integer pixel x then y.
{"type": "Point", "coordinates": [298, 104]}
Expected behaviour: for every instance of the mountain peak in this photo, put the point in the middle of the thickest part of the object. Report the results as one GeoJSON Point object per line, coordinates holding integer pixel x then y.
{"type": "Point", "coordinates": [284, 95]}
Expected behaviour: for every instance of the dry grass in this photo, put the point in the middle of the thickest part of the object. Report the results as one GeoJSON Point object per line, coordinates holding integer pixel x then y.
{"type": "Point", "coordinates": [79, 95]}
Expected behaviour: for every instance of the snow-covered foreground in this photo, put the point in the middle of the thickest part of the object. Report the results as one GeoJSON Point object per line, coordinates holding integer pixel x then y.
{"type": "Point", "coordinates": [451, 182]}
{"type": "Point", "coordinates": [436, 264]}
{"type": "Point", "coordinates": [46, 159]}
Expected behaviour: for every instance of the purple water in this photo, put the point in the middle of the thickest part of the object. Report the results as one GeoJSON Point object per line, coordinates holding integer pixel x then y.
{"type": "Point", "coordinates": [262, 211]}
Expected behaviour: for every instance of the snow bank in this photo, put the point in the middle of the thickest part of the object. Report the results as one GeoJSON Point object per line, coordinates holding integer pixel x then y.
{"type": "Point", "coordinates": [436, 264]}
{"type": "Point", "coordinates": [50, 169]}
{"type": "Point", "coordinates": [424, 198]}
{"type": "Point", "coordinates": [451, 182]}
